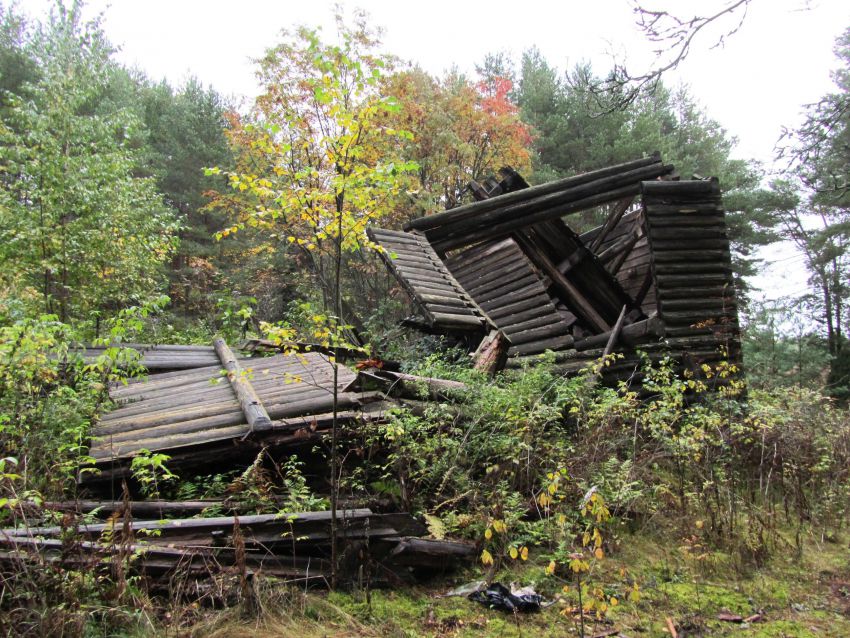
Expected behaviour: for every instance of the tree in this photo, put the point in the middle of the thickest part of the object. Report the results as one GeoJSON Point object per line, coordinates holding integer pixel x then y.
{"type": "Point", "coordinates": [185, 132]}
{"type": "Point", "coordinates": [80, 231]}
{"type": "Point", "coordinates": [816, 216]}
{"type": "Point", "coordinates": [571, 137]}
{"type": "Point", "coordinates": [462, 131]}
{"type": "Point", "coordinates": [314, 141]}
{"type": "Point", "coordinates": [673, 36]}
{"type": "Point", "coordinates": [819, 151]}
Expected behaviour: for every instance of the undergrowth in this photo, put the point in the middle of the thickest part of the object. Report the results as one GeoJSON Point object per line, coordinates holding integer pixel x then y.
{"type": "Point", "coordinates": [556, 480]}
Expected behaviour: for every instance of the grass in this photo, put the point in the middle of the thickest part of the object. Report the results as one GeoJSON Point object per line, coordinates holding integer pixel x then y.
{"type": "Point", "coordinates": [798, 597]}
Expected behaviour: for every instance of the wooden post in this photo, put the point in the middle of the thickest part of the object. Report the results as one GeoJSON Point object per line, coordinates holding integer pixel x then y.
{"type": "Point", "coordinates": [256, 415]}
{"type": "Point", "coordinates": [615, 333]}
{"type": "Point", "coordinates": [492, 354]}
{"type": "Point", "coordinates": [613, 219]}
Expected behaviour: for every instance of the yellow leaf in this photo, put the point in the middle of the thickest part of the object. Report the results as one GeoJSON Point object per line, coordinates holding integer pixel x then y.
{"type": "Point", "coordinates": [488, 534]}
{"type": "Point", "coordinates": [500, 526]}
{"type": "Point", "coordinates": [550, 568]}
{"type": "Point", "coordinates": [486, 557]}
{"type": "Point", "coordinates": [524, 553]}
{"type": "Point", "coordinates": [614, 601]}
{"type": "Point", "coordinates": [599, 553]}
{"type": "Point", "coordinates": [514, 553]}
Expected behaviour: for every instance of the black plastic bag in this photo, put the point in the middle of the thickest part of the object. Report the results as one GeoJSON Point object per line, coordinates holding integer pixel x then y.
{"type": "Point", "coordinates": [497, 596]}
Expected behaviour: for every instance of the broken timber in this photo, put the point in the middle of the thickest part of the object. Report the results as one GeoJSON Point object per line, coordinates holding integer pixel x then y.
{"type": "Point", "coordinates": [656, 276]}
{"type": "Point", "coordinates": [295, 546]}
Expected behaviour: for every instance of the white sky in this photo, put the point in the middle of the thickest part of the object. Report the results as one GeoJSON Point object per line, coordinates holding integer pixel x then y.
{"type": "Point", "coordinates": [758, 82]}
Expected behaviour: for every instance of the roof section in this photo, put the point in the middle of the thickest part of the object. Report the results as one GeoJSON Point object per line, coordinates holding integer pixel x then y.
{"type": "Point", "coordinates": [502, 280]}
{"type": "Point", "coordinates": [442, 300]}
{"type": "Point", "coordinates": [196, 407]}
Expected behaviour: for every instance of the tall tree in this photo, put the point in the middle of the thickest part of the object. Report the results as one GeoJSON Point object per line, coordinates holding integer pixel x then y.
{"type": "Point", "coordinates": [317, 133]}
{"type": "Point", "coordinates": [185, 132]}
{"type": "Point", "coordinates": [79, 228]}
{"type": "Point", "coordinates": [462, 130]}
{"type": "Point", "coordinates": [818, 216]}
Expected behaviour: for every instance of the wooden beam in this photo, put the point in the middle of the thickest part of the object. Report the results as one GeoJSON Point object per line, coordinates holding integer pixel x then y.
{"type": "Point", "coordinates": [256, 415]}
{"type": "Point", "coordinates": [450, 216]}
{"type": "Point", "coordinates": [615, 333]}
{"type": "Point", "coordinates": [572, 296]}
{"type": "Point", "coordinates": [613, 219]}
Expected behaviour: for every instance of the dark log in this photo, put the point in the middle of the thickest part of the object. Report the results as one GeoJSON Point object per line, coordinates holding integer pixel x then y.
{"type": "Point", "coordinates": [699, 303]}
{"type": "Point", "coordinates": [451, 310]}
{"type": "Point", "coordinates": [632, 334]}
{"type": "Point", "coordinates": [703, 220]}
{"type": "Point", "coordinates": [451, 216]}
{"type": "Point", "coordinates": [624, 252]}
{"type": "Point", "coordinates": [679, 281]}
{"type": "Point", "coordinates": [692, 244]}
{"type": "Point", "coordinates": [699, 189]}
{"type": "Point", "coordinates": [533, 311]}
{"type": "Point", "coordinates": [531, 296]}
{"type": "Point", "coordinates": [685, 235]}
{"type": "Point", "coordinates": [459, 321]}
{"type": "Point", "coordinates": [442, 300]}
{"type": "Point", "coordinates": [695, 267]}
{"type": "Point", "coordinates": [511, 221]}
{"type": "Point", "coordinates": [515, 286]}
{"type": "Point", "coordinates": [660, 210]}
{"type": "Point", "coordinates": [550, 318]}
{"type": "Point", "coordinates": [572, 296]}
{"type": "Point", "coordinates": [700, 291]}
{"type": "Point", "coordinates": [558, 343]}
{"type": "Point", "coordinates": [465, 271]}
{"type": "Point", "coordinates": [665, 256]}
{"type": "Point", "coordinates": [538, 334]}
{"type": "Point", "coordinates": [615, 333]}
{"type": "Point", "coordinates": [613, 219]}
{"type": "Point", "coordinates": [433, 554]}
{"type": "Point", "coordinates": [489, 280]}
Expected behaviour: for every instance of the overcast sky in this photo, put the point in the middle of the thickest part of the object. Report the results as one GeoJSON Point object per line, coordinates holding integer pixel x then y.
{"type": "Point", "coordinates": [779, 60]}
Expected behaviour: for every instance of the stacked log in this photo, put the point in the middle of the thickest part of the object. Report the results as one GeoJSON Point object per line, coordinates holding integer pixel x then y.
{"type": "Point", "coordinates": [159, 357]}
{"type": "Point", "coordinates": [295, 546]}
{"type": "Point", "coordinates": [502, 215]}
{"type": "Point", "coordinates": [692, 267]}
{"type": "Point", "coordinates": [193, 408]}
{"type": "Point", "coordinates": [502, 280]}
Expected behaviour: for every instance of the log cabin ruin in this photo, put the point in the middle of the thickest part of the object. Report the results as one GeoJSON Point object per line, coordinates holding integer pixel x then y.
{"type": "Point", "coordinates": [504, 275]}
{"type": "Point", "coordinates": [655, 277]}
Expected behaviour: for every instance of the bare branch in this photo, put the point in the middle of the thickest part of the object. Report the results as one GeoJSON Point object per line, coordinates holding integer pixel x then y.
{"type": "Point", "coordinates": [673, 36]}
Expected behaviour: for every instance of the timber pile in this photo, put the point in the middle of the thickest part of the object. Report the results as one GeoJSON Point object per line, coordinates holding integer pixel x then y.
{"type": "Point", "coordinates": [656, 276]}
{"type": "Point", "coordinates": [239, 403]}
{"type": "Point", "coordinates": [295, 547]}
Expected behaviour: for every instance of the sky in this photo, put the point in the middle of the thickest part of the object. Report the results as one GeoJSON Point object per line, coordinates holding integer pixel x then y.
{"type": "Point", "coordinates": [756, 83]}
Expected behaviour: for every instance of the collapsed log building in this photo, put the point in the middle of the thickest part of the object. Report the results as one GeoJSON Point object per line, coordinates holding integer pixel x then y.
{"type": "Point", "coordinates": [506, 274]}
{"type": "Point", "coordinates": [655, 277]}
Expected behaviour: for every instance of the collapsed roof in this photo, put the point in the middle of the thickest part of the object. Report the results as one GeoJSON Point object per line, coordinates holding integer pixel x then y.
{"type": "Point", "coordinates": [656, 275]}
